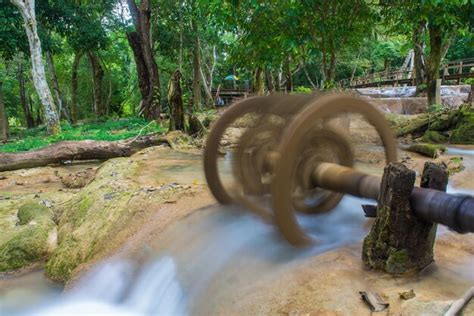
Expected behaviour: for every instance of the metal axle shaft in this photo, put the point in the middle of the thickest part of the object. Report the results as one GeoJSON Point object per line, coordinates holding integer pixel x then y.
{"type": "Point", "coordinates": [454, 211]}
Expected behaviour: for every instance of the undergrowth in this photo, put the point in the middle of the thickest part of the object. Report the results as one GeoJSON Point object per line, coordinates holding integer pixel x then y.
{"type": "Point", "coordinates": [29, 139]}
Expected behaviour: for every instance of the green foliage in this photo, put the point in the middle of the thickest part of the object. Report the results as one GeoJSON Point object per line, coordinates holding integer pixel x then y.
{"type": "Point", "coordinates": [434, 137]}
{"type": "Point", "coordinates": [433, 108]}
{"type": "Point", "coordinates": [464, 130]}
{"type": "Point", "coordinates": [12, 35]}
{"type": "Point", "coordinates": [303, 90]}
{"type": "Point", "coordinates": [428, 150]}
{"type": "Point", "coordinates": [422, 87]}
{"type": "Point", "coordinates": [469, 81]}
{"type": "Point", "coordinates": [28, 241]}
{"type": "Point", "coordinates": [110, 130]}
{"type": "Point", "coordinates": [321, 42]}
{"type": "Point", "coordinates": [456, 159]}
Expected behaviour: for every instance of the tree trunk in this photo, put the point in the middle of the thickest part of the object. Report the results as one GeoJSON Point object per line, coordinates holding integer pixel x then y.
{"type": "Point", "coordinates": [142, 72]}
{"type": "Point", "coordinates": [470, 98]}
{"type": "Point", "coordinates": [141, 15]}
{"type": "Point", "coordinates": [78, 150]}
{"type": "Point", "coordinates": [175, 100]}
{"type": "Point", "coordinates": [27, 10]}
{"type": "Point", "coordinates": [324, 70]}
{"type": "Point", "coordinates": [97, 79]}
{"type": "Point", "coordinates": [288, 75]}
{"type": "Point", "coordinates": [269, 80]}
{"type": "Point", "coordinates": [75, 67]}
{"type": "Point", "coordinates": [277, 80]}
{"type": "Point", "coordinates": [207, 90]}
{"type": "Point", "coordinates": [434, 60]}
{"type": "Point", "coordinates": [3, 118]}
{"type": "Point", "coordinates": [386, 66]}
{"type": "Point", "coordinates": [59, 98]}
{"type": "Point", "coordinates": [258, 85]}
{"type": "Point", "coordinates": [399, 242]}
{"type": "Point", "coordinates": [196, 68]}
{"type": "Point", "coordinates": [196, 128]}
{"type": "Point", "coordinates": [308, 77]}
{"type": "Point", "coordinates": [331, 76]}
{"type": "Point", "coordinates": [30, 121]}
{"type": "Point", "coordinates": [418, 55]}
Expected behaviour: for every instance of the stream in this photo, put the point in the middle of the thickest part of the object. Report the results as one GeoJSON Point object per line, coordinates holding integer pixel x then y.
{"type": "Point", "coordinates": [216, 249]}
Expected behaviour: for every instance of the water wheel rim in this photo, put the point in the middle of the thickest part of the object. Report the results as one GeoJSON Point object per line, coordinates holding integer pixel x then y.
{"type": "Point", "coordinates": [211, 151]}
{"type": "Point", "coordinates": [320, 108]}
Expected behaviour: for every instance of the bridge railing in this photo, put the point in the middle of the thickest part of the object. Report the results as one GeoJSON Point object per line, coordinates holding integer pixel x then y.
{"type": "Point", "coordinates": [455, 69]}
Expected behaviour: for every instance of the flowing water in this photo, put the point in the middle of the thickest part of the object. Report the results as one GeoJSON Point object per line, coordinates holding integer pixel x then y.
{"type": "Point", "coordinates": [217, 245]}
{"type": "Point", "coordinates": [410, 91]}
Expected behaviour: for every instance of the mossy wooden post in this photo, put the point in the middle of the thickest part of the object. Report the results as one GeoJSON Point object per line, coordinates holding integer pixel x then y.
{"type": "Point", "coordinates": [175, 99]}
{"type": "Point", "coordinates": [399, 242]}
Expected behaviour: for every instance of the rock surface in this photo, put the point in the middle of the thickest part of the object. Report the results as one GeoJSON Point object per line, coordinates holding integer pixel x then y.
{"type": "Point", "coordinates": [329, 284]}
{"type": "Point", "coordinates": [105, 212]}
{"type": "Point", "coordinates": [49, 217]}
{"type": "Point", "coordinates": [28, 233]}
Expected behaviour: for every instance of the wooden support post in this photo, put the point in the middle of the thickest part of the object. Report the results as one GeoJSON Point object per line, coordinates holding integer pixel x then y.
{"type": "Point", "coordinates": [399, 242]}
{"type": "Point", "coordinates": [438, 91]}
{"type": "Point", "coordinates": [470, 98]}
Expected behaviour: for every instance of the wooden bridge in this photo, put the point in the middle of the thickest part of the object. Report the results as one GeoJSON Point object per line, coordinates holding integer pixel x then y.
{"type": "Point", "coordinates": [227, 96]}
{"type": "Point", "coordinates": [453, 70]}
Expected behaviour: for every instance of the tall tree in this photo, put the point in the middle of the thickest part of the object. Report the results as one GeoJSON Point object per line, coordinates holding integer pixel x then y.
{"type": "Point", "coordinates": [418, 48]}
{"type": "Point", "coordinates": [3, 117]}
{"type": "Point", "coordinates": [97, 79]}
{"type": "Point", "coordinates": [333, 26]}
{"type": "Point", "coordinates": [74, 85]}
{"type": "Point", "coordinates": [147, 69]}
{"type": "Point", "coordinates": [24, 100]}
{"type": "Point", "coordinates": [441, 19]}
{"type": "Point", "coordinates": [57, 90]}
{"type": "Point", "coordinates": [196, 64]}
{"type": "Point", "coordinates": [27, 10]}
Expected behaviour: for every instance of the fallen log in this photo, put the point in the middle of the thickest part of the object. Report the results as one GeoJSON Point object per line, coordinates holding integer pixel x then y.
{"type": "Point", "coordinates": [78, 150]}
{"type": "Point", "coordinates": [428, 150]}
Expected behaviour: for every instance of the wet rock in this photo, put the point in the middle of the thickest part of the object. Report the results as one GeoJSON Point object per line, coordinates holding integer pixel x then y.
{"type": "Point", "coordinates": [424, 308]}
{"type": "Point", "coordinates": [46, 203]}
{"type": "Point", "coordinates": [27, 236]}
{"type": "Point", "coordinates": [178, 140]}
{"type": "Point", "coordinates": [407, 295]}
{"type": "Point", "coordinates": [108, 196]}
{"type": "Point", "coordinates": [375, 302]}
{"type": "Point", "coordinates": [196, 128]}
{"type": "Point", "coordinates": [79, 179]}
{"type": "Point", "coordinates": [231, 136]}
{"type": "Point", "coordinates": [98, 217]}
{"type": "Point", "coordinates": [453, 164]}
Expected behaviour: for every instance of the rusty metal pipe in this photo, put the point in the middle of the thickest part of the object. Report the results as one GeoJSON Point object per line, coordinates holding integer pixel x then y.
{"type": "Point", "coordinates": [342, 179]}
{"type": "Point", "coordinates": [454, 211]}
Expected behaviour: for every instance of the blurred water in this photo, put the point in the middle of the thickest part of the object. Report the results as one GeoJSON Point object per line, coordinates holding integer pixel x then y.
{"type": "Point", "coordinates": [215, 249]}
{"type": "Point", "coordinates": [407, 91]}
{"type": "Point", "coordinates": [191, 254]}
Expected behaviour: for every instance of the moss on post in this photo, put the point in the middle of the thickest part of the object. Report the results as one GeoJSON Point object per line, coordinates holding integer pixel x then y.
{"type": "Point", "coordinates": [399, 242]}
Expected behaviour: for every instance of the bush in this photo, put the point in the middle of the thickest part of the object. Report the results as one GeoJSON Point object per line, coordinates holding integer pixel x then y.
{"type": "Point", "coordinates": [303, 90]}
